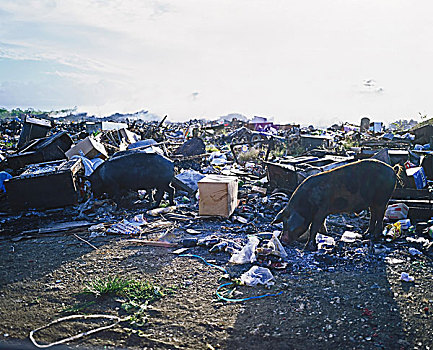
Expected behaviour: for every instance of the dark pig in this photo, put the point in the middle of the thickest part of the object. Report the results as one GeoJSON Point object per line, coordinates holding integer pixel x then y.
{"type": "Point", "coordinates": [349, 188]}
{"type": "Point", "coordinates": [132, 171]}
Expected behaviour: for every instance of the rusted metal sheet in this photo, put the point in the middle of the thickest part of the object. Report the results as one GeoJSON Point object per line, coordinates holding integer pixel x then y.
{"type": "Point", "coordinates": [289, 173]}
{"type": "Point", "coordinates": [282, 176]}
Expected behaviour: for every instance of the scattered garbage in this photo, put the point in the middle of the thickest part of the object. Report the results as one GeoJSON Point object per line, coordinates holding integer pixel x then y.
{"type": "Point", "coordinates": [417, 176]}
{"type": "Point", "coordinates": [414, 251]}
{"type": "Point", "coordinates": [233, 190]}
{"type": "Point", "coordinates": [45, 185]}
{"type": "Point", "coordinates": [324, 242]}
{"type": "Point", "coordinates": [257, 275]}
{"type": "Point", "coordinates": [125, 227]}
{"type": "Point", "coordinates": [270, 252]}
{"type": "Point", "coordinates": [217, 158]}
{"type": "Point", "coordinates": [394, 261]}
{"type": "Point", "coordinates": [392, 231]}
{"type": "Point", "coordinates": [247, 254]}
{"type": "Point", "coordinates": [89, 148]}
{"type": "Point", "coordinates": [405, 224]}
{"type": "Point", "coordinates": [4, 176]}
{"type": "Point", "coordinates": [350, 237]}
{"type": "Point", "coordinates": [191, 178]}
{"type": "Point", "coordinates": [406, 277]}
{"type": "Point", "coordinates": [161, 211]}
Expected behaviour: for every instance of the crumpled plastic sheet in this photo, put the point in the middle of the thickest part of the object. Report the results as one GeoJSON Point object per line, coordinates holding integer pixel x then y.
{"type": "Point", "coordinates": [125, 227]}
{"type": "Point", "coordinates": [257, 275]}
{"type": "Point", "coordinates": [191, 178]}
{"type": "Point", "coordinates": [247, 254]}
{"type": "Point", "coordinates": [89, 165]}
{"type": "Point", "coordinates": [217, 158]}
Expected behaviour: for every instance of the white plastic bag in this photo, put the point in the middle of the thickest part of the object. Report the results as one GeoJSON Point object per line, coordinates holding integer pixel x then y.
{"type": "Point", "coordinates": [247, 254]}
{"type": "Point", "coordinates": [278, 246]}
{"type": "Point", "coordinates": [257, 275]}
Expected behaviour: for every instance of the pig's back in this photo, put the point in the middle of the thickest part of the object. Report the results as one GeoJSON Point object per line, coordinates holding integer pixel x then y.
{"type": "Point", "coordinates": [352, 187]}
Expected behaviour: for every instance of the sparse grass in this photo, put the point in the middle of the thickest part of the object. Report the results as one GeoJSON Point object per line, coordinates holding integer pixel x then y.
{"type": "Point", "coordinates": [134, 295]}
{"type": "Point", "coordinates": [280, 150]}
{"type": "Point", "coordinates": [111, 285]}
{"type": "Point", "coordinates": [133, 290]}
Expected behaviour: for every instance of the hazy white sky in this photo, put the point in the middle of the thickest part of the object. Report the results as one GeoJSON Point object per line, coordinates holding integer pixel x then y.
{"type": "Point", "coordinates": [309, 61]}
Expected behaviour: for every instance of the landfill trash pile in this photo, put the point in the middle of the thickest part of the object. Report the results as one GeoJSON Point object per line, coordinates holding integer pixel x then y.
{"type": "Point", "coordinates": [223, 192]}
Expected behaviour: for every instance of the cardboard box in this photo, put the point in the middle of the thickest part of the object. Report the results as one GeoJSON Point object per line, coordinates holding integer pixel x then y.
{"type": "Point", "coordinates": [89, 147]}
{"type": "Point", "coordinates": [417, 177]}
{"type": "Point", "coordinates": [397, 211]}
{"type": "Point", "coordinates": [45, 185]}
{"type": "Point", "coordinates": [218, 195]}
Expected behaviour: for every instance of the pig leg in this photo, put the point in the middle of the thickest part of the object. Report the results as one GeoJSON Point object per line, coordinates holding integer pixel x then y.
{"type": "Point", "coordinates": [315, 227]}
{"type": "Point", "coordinates": [372, 223]}
{"type": "Point", "coordinates": [158, 197]}
{"type": "Point", "coordinates": [149, 194]}
{"type": "Point", "coordinates": [170, 191]}
{"type": "Point", "coordinates": [115, 192]}
{"type": "Point", "coordinates": [379, 213]}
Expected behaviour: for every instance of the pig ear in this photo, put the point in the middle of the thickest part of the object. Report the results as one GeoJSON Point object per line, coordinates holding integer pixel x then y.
{"type": "Point", "coordinates": [279, 218]}
{"type": "Point", "coordinates": [295, 219]}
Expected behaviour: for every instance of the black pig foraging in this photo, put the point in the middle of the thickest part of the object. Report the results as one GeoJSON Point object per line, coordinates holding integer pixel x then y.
{"type": "Point", "coordinates": [365, 184]}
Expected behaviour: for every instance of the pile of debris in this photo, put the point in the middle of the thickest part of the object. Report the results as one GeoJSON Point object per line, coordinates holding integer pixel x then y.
{"type": "Point", "coordinates": [105, 173]}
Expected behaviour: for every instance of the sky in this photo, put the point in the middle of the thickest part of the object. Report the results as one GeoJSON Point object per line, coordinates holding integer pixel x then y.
{"type": "Point", "coordinates": [310, 62]}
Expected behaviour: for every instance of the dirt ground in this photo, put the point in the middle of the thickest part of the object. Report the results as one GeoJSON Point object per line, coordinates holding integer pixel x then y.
{"type": "Point", "coordinates": [354, 302]}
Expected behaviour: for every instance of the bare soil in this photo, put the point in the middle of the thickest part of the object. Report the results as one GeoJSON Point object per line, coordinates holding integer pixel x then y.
{"type": "Point", "coordinates": [356, 302]}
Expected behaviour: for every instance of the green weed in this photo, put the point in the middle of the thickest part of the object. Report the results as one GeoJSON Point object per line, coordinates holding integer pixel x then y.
{"type": "Point", "coordinates": [123, 287]}
{"type": "Point", "coordinates": [134, 296]}
{"type": "Point", "coordinates": [111, 285]}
